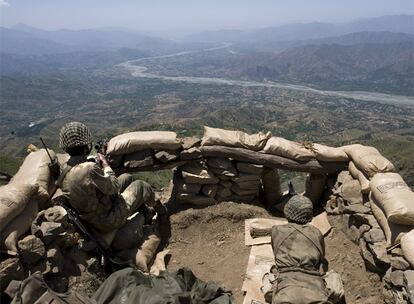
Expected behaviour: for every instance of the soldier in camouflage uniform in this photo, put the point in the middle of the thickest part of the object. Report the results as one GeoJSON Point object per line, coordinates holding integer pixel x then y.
{"type": "Point", "coordinates": [101, 199]}
{"type": "Point", "coordinates": [299, 252]}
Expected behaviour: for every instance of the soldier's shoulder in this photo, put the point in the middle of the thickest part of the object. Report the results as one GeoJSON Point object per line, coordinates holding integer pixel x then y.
{"type": "Point", "coordinates": [314, 230]}
{"type": "Point", "coordinates": [86, 166]}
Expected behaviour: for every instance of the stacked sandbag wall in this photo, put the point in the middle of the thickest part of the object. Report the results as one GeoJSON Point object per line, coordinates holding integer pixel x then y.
{"type": "Point", "coordinates": [212, 180]}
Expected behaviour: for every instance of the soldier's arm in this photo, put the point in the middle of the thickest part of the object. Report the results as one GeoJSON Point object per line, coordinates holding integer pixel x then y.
{"type": "Point", "coordinates": [105, 180]}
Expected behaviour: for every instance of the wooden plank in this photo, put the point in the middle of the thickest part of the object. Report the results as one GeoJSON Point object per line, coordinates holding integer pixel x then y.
{"type": "Point", "coordinates": [155, 167]}
{"type": "Point", "coordinates": [274, 161]}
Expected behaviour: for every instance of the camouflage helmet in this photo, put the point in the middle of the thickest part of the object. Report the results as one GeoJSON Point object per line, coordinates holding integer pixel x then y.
{"type": "Point", "coordinates": [299, 209]}
{"type": "Point", "coordinates": [74, 134]}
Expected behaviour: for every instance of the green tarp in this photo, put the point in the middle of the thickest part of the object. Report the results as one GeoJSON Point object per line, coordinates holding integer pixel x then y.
{"type": "Point", "coordinates": [129, 286]}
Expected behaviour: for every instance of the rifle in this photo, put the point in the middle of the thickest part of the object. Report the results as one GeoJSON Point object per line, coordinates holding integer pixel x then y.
{"type": "Point", "coordinates": [74, 218]}
{"type": "Point", "coordinates": [104, 253]}
{"type": "Point", "coordinates": [100, 146]}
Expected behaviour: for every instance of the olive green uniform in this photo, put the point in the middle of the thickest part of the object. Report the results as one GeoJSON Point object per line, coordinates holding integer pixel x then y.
{"type": "Point", "coordinates": [100, 198]}
{"type": "Point", "coordinates": [299, 251]}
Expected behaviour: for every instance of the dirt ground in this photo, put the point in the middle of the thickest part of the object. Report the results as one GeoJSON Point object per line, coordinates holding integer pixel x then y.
{"type": "Point", "coordinates": [210, 241]}
{"type": "Point", "coordinates": [361, 287]}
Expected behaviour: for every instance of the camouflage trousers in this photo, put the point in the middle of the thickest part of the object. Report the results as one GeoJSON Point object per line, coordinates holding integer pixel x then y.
{"type": "Point", "coordinates": [134, 194]}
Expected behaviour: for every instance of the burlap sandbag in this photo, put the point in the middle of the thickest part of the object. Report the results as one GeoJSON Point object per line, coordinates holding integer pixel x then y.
{"type": "Point", "coordinates": [62, 158]}
{"type": "Point", "coordinates": [13, 200]}
{"type": "Point", "coordinates": [35, 170]}
{"type": "Point", "coordinates": [407, 246]}
{"type": "Point", "coordinates": [287, 148]}
{"type": "Point", "coordinates": [326, 153]}
{"type": "Point", "coordinates": [357, 174]}
{"type": "Point", "coordinates": [143, 254]}
{"type": "Point", "coordinates": [393, 232]}
{"type": "Point", "coordinates": [141, 140]}
{"type": "Point", "coordinates": [315, 186]}
{"type": "Point", "coordinates": [147, 251]}
{"type": "Point", "coordinates": [221, 137]}
{"type": "Point", "coordinates": [368, 159]}
{"type": "Point", "coordinates": [271, 187]}
{"type": "Point", "coordinates": [18, 226]}
{"type": "Point", "coordinates": [394, 196]}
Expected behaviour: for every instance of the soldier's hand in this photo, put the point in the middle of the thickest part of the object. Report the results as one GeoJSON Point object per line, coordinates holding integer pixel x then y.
{"type": "Point", "coordinates": [103, 160]}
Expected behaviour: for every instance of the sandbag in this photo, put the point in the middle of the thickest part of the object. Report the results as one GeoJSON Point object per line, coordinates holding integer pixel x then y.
{"type": "Point", "coordinates": [35, 170]}
{"type": "Point", "coordinates": [141, 140]}
{"type": "Point", "coordinates": [393, 232]}
{"type": "Point", "coordinates": [326, 153]}
{"type": "Point", "coordinates": [13, 200]}
{"type": "Point", "coordinates": [18, 226]}
{"type": "Point", "coordinates": [287, 148]}
{"type": "Point", "coordinates": [62, 158]}
{"type": "Point", "coordinates": [357, 174]}
{"type": "Point", "coordinates": [368, 159]}
{"type": "Point", "coordinates": [143, 254]}
{"type": "Point", "coordinates": [147, 251]}
{"type": "Point", "coordinates": [314, 187]}
{"type": "Point", "coordinates": [221, 137]}
{"type": "Point", "coordinates": [407, 246]}
{"type": "Point", "coordinates": [271, 187]}
{"type": "Point", "coordinates": [394, 196]}
{"type": "Point", "coordinates": [350, 189]}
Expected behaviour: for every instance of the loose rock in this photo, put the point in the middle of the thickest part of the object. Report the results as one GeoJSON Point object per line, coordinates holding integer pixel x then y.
{"type": "Point", "coordinates": [56, 214]}
{"type": "Point", "coordinates": [209, 190]}
{"type": "Point", "coordinates": [192, 153]}
{"type": "Point", "coordinates": [10, 269]}
{"type": "Point", "coordinates": [139, 159]}
{"type": "Point", "coordinates": [249, 168]}
{"type": "Point", "coordinates": [409, 284]}
{"type": "Point", "coordinates": [50, 231]}
{"type": "Point", "coordinates": [356, 208]}
{"type": "Point", "coordinates": [167, 156]}
{"type": "Point", "coordinates": [31, 249]}
{"type": "Point", "coordinates": [374, 235]}
{"type": "Point", "coordinates": [399, 263]}
{"type": "Point", "coordinates": [189, 142]}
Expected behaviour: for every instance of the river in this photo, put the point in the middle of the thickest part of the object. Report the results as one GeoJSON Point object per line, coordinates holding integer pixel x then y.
{"type": "Point", "coordinates": [141, 71]}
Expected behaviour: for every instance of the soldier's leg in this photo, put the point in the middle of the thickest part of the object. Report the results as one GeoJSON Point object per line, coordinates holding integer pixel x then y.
{"type": "Point", "coordinates": [125, 180]}
{"type": "Point", "coordinates": [137, 194]}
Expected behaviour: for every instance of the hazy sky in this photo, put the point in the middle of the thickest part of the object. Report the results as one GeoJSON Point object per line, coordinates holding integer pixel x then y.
{"type": "Point", "coordinates": [190, 15]}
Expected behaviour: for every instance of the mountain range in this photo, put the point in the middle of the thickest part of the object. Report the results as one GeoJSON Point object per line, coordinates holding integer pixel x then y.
{"type": "Point", "coordinates": [306, 31]}
{"type": "Point", "coordinates": [369, 54]}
